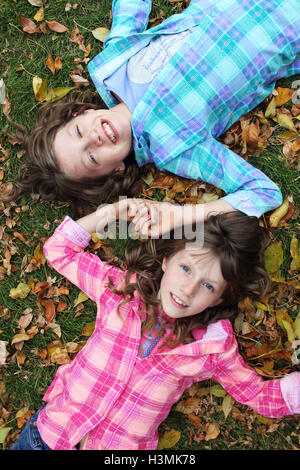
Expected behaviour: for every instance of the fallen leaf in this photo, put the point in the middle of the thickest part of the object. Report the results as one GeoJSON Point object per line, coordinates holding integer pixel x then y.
{"type": "Point", "coordinates": [187, 406]}
{"type": "Point", "coordinates": [227, 405]}
{"type": "Point", "coordinates": [297, 326]}
{"type": "Point", "coordinates": [284, 120]}
{"type": "Point", "coordinates": [19, 292]}
{"type": "Point", "coordinates": [2, 91]}
{"type": "Point", "coordinates": [60, 92]}
{"type": "Point", "coordinates": [3, 352]}
{"type": "Point", "coordinates": [20, 337]}
{"type": "Point", "coordinates": [271, 108]}
{"type": "Point", "coordinates": [295, 254]}
{"type": "Point", "coordinates": [273, 257]}
{"type": "Point", "coordinates": [79, 80]}
{"type": "Point", "coordinates": [217, 391]}
{"type": "Point", "coordinates": [49, 307]}
{"type": "Point", "coordinates": [36, 3]}
{"type": "Point", "coordinates": [279, 213]}
{"type": "Point", "coordinates": [82, 297]}
{"type": "Point", "coordinates": [4, 433]}
{"type": "Point", "coordinates": [28, 25]}
{"type": "Point", "coordinates": [88, 329]}
{"type": "Point", "coordinates": [57, 27]}
{"type": "Point", "coordinates": [39, 16]}
{"type": "Point", "coordinates": [169, 439]}
{"type": "Point", "coordinates": [284, 95]}
{"type": "Point", "coordinates": [100, 33]}
{"type": "Point", "coordinates": [212, 431]}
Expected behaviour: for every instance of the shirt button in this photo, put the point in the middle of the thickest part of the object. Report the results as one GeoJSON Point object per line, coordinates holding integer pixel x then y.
{"type": "Point", "coordinates": [213, 13]}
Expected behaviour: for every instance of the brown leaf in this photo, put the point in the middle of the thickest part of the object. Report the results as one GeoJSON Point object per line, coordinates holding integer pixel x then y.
{"type": "Point", "coordinates": [49, 309]}
{"type": "Point", "coordinates": [284, 95]}
{"type": "Point", "coordinates": [50, 63]}
{"type": "Point", "coordinates": [28, 25]}
{"type": "Point", "coordinates": [57, 27]}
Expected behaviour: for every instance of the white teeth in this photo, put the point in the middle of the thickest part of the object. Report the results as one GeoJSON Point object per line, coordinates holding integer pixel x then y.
{"type": "Point", "coordinates": [109, 132]}
{"type": "Point", "coordinates": [178, 300]}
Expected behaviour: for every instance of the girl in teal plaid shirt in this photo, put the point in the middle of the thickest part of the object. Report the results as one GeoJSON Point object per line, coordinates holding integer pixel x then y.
{"type": "Point", "coordinates": [167, 93]}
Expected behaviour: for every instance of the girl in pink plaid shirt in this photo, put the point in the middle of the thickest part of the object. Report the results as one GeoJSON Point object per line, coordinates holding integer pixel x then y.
{"type": "Point", "coordinates": [162, 325]}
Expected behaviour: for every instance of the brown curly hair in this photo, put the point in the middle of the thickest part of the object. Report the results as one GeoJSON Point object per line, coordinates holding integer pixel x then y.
{"type": "Point", "coordinates": [42, 175]}
{"type": "Point", "coordinates": [235, 238]}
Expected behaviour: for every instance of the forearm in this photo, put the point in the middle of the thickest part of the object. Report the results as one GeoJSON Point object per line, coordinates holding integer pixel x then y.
{"type": "Point", "coordinates": [201, 212]}
{"type": "Point", "coordinates": [97, 221]}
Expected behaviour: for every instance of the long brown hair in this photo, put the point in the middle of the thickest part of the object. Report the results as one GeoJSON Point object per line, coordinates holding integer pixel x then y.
{"type": "Point", "coordinates": [42, 175]}
{"type": "Point", "coordinates": [235, 238]}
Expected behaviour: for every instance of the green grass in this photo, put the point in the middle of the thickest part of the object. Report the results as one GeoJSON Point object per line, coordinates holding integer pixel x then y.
{"type": "Point", "coordinates": [23, 56]}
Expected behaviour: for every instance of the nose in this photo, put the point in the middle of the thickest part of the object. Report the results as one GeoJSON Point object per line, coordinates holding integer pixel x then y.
{"type": "Point", "coordinates": [189, 288]}
{"type": "Point", "coordinates": [95, 137]}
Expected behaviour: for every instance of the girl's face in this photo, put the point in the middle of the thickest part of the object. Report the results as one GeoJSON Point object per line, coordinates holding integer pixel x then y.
{"type": "Point", "coordinates": [191, 283]}
{"type": "Point", "coordinates": [94, 143]}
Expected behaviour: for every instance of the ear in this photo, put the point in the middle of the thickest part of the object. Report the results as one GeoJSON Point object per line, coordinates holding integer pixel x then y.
{"type": "Point", "coordinates": [164, 264]}
{"type": "Point", "coordinates": [121, 167]}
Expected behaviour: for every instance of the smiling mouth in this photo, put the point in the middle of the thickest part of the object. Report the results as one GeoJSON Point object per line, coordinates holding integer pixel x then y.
{"type": "Point", "coordinates": [177, 301]}
{"type": "Point", "coordinates": [110, 132]}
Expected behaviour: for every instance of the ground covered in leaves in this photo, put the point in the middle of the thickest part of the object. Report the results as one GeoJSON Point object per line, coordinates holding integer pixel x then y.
{"type": "Point", "coordinates": [44, 320]}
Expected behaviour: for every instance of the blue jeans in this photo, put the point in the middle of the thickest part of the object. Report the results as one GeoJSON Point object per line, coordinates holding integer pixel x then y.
{"type": "Point", "coordinates": [30, 438]}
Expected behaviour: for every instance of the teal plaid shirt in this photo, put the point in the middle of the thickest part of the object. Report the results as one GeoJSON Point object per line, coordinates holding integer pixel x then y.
{"type": "Point", "coordinates": [228, 66]}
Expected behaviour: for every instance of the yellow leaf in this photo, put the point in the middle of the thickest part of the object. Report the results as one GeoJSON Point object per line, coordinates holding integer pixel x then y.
{"type": "Point", "coordinates": [227, 405]}
{"type": "Point", "coordinates": [273, 257]}
{"type": "Point", "coordinates": [212, 432]}
{"type": "Point", "coordinates": [264, 420]}
{"type": "Point", "coordinates": [60, 92]}
{"type": "Point", "coordinates": [261, 306]}
{"type": "Point", "coordinates": [297, 326]}
{"type": "Point", "coordinates": [279, 213]}
{"type": "Point", "coordinates": [187, 406]}
{"type": "Point", "coordinates": [283, 316]}
{"type": "Point", "coordinates": [169, 439]}
{"type": "Point", "coordinates": [36, 84]}
{"type": "Point", "coordinates": [289, 329]}
{"type": "Point", "coordinates": [20, 337]}
{"type": "Point", "coordinates": [39, 16]}
{"type": "Point", "coordinates": [3, 434]}
{"type": "Point", "coordinates": [284, 120]}
{"type": "Point", "coordinates": [42, 91]}
{"type": "Point", "coordinates": [100, 33]}
{"type": "Point", "coordinates": [284, 95]}
{"type": "Point", "coordinates": [217, 391]}
{"type": "Point", "coordinates": [294, 250]}
{"type": "Point", "coordinates": [82, 297]}
{"type": "Point", "coordinates": [271, 108]}
{"type": "Point", "coordinates": [88, 329]}
{"type": "Point", "coordinates": [19, 292]}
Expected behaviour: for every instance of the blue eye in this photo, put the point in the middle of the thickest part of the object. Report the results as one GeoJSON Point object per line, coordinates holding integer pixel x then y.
{"type": "Point", "coordinates": [92, 158]}
{"type": "Point", "coordinates": [78, 131]}
{"type": "Point", "coordinates": [208, 286]}
{"type": "Point", "coordinates": [185, 268]}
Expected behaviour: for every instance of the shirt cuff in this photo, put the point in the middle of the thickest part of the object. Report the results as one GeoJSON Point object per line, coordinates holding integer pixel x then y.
{"type": "Point", "coordinates": [290, 389]}
{"type": "Point", "coordinates": [74, 232]}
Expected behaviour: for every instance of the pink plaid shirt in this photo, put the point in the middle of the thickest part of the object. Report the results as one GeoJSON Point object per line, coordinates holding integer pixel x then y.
{"type": "Point", "coordinates": [115, 397]}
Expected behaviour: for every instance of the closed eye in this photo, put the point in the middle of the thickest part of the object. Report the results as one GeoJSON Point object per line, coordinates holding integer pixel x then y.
{"type": "Point", "coordinates": [78, 131]}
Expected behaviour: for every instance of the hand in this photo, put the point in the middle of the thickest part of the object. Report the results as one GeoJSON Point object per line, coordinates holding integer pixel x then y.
{"type": "Point", "coordinates": [153, 218]}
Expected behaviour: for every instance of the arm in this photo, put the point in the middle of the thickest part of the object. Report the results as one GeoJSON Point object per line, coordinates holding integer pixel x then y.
{"type": "Point", "coordinates": [129, 16]}
{"type": "Point", "coordinates": [248, 189]}
{"type": "Point", "coordinates": [272, 398]}
{"type": "Point", "coordinates": [65, 249]}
